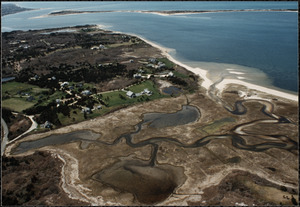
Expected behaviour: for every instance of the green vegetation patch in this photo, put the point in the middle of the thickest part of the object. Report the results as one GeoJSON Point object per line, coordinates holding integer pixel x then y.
{"type": "Point", "coordinates": [52, 97]}
{"type": "Point", "coordinates": [14, 87]}
{"type": "Point", "coordinates": [216, 125]}
{"type": "Point", "coordinates": [167, 62]}
{"type": "Point", "coordinates": [17, 104]}
{"type": "Point", "coordinates": [116, 98]}
{"type": "Point", "coordinates": [180, 75]}
{"type": "Point", "coordinates": [76, 115]}
{"type": "Point", "coordinates": [143, 85]}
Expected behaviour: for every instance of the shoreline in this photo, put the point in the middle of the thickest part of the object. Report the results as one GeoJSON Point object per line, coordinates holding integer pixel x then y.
{"type": "Point", "coordinates": [161, 13]}
{"type": "Point", "coordinates": [224, 83]}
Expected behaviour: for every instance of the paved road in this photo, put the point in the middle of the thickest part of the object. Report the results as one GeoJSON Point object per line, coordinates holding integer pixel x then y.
{"type": "Point", "coordinates": [4, 141]}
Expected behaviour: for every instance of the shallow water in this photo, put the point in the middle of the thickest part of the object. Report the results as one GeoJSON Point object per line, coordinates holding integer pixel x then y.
{"type": "Point", "coordinates": [171, 90]}
{"type": "Point", "coordinates": [58, 139]}
{"type": "Point", "coordinates": [263, 40]}
{"type": "Point", "coordinates": [187, 115]}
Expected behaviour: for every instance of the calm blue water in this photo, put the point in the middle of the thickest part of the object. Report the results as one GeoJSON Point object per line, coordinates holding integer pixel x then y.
{"type": "Point", "coordinates": [260, 43]}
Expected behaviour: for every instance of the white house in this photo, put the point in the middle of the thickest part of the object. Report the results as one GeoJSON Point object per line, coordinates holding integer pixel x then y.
{"type": "Point", "coordinates": [152, 60]}
{"type": "Point", "coordinates": [170, 74]}
{"type": "Point", "coordinates": [137, 75]}
{"type": "Point", "coordinates": [130, 94]}
{"type": "Point", "coordinates": [86, 109]}
{"type": "Point", "coordinates": [64, 84]}
{"type": "Point", "coordinates": [86, 92]}
{"type": "Point", "coordinates": [102, 47]}
{"type": "Point", "coordinates": [147, 92]}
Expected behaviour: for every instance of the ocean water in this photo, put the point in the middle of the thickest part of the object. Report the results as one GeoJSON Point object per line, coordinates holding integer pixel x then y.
{"type": "Point", "coordinates": [261, 47]}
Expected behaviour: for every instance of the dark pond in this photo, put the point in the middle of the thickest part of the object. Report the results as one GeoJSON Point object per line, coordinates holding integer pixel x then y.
{"type": "Point", "coordinates": [187, 115]}
{"type": "Point", "coordinates": [57, 139]}
{"type": "Point", "coordinates": [150, 185]}
{"type": "Point", "coordinates": [171, 90]}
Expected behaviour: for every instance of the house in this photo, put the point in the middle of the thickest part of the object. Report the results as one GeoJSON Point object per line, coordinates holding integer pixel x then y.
{"type": "Point", "coordinates": [137, 75]}
{"type": "Point", "coordinates": [99, 107]}
{"type": "Point", "coordinates": [86, 92]}
{"type": "Point", "coordinates": [130, 94]}
{"type": "Point", "coordinates": [147, 92]}
{"type": "Point", "coordinates": [58, 101]}
{"type": "Point", "coordinates": [53, 78]}
{"type": "Point", "coordinates": [160, 65]}
{"type": "Point", "coordinates": [102, 47]}
{"type": "Point", "coordinates": [170, 74]}
{"type": "Point", "coordinates": [64, 84]}
{"type": "Point", "coordinates": [86, 109]}
{"type": "Point", "coordinates": [152, 60]}
{"type": "Point", "coordinates": [47, 124]}
{"type": "Point", "coordinates": [150, 66]}
{"type": "Point", "coordinates": [30, 98]}
{"type": "Point", "coordinates": [131, 61]}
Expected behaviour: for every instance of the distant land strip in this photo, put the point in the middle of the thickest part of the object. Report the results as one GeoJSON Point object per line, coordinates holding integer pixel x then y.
{"type": "Point", "coordinates": [65, 12]}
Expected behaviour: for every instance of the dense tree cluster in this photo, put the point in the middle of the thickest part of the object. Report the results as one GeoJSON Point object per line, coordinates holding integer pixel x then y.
{"type": "Point", "coordinates": [178, 81]}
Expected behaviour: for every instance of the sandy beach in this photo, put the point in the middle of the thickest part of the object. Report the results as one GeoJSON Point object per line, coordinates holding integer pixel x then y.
{"type": "Point", "coordinates": [222, 85]}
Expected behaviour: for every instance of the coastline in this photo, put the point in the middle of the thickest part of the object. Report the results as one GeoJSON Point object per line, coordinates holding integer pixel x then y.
{"type": "Point", "coordinates": [225, 82]}
{"type": "Point", "coordinates": [161, 13]}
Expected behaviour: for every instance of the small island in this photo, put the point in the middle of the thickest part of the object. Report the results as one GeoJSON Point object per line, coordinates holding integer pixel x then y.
{"type": "Point", "coordinates": [7, 9]}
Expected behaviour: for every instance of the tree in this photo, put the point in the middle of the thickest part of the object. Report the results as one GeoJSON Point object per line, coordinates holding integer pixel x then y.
{"type": "Point", "coordinates": [294, 201]}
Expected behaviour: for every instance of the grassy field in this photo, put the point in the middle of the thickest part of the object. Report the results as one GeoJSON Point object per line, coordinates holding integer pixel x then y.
{"type": "Point", "coordinates": [180, 75]}
{"type": "Point", "coordinates": [113, 98]}
{"type": "Point", "coordinates": [216, 125]}
{"type": "Point", "coordinates": [53, 97]}
{"type": "Point", "coordinates": [167, 62]}
{"type": "Point", "coordinates": [14, 87]}
{"type": "Point", "coordinates": [17, 104]}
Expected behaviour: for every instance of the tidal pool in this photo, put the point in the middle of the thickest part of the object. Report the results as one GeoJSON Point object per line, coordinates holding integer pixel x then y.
{"type": "Point", "coordinates": [171, 90]}
{"type": "Point", "coordinates": [149, 184]}
{"type": "Point", "coordinates": [57, 139]}
{"type": "Point", "coordinates": [186, 115]}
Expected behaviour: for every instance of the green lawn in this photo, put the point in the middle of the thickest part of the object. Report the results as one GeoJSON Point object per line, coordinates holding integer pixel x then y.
{"type": "Point", "coordinates": [14, 87]}
{"type": "Point", "coordinates": [74, 117]}
{"type": "Point", "coordinates": [167, 62]}
{"type": "Point", "coordinates": [113, 98]}
{"type": "Point", "coordinates": [17, 104]}
{"type": "Point", "coordinates": [180, 75]}
{"type": "Point", "coordinates": [140, 87]}
{"type": "Point", "coordinates": [53, 97]}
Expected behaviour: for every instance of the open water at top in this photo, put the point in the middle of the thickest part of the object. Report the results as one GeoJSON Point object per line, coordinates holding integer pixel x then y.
{"type": "Point", "coordinates": [262, 45]}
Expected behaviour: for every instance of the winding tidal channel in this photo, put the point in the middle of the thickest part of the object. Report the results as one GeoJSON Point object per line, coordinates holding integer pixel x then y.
{"type": "Point", "coordinates": [150, 181]}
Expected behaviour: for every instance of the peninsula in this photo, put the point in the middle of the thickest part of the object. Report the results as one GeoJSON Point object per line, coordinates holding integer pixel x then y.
{"type": "Point", "coordinates": [121, 122]}
{"type": "Point", "coordinates": [7, 9]}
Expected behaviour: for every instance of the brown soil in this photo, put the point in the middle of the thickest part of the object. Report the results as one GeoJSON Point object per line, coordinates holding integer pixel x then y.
{"type": "Point", "coordinates": [33, 180]}
{"type": "Point", "coordinates": [235, 188]}
{"type": "Point", "coordinates": [18, 125]}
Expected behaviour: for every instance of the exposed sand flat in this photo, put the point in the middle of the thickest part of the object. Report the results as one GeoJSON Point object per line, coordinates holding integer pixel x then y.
{"type": "Point", "coordinates": [222, 85]}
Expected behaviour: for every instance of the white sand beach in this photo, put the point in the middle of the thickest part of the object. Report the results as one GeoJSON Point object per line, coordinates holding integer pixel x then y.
{"type": "Point", "coordinates": [222, 85]}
